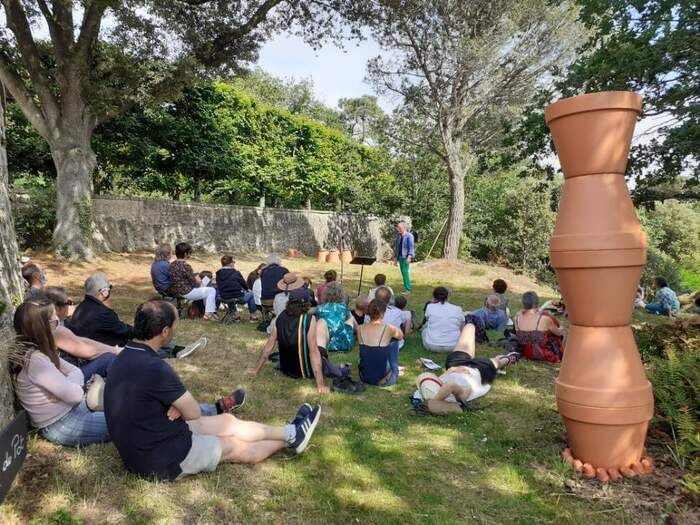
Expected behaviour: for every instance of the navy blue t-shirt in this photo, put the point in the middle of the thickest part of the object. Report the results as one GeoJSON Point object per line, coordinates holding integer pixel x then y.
{"type": "Point", "coordinates": [139, 392]}
{"type": "Point", "coordinates": [160, 276]}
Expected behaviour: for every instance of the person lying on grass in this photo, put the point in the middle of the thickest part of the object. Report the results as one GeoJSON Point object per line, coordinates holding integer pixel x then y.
{"type": "Point", "coordinates": [466, 378]}
{"type": "Point", "coordinates": [159, 428]}
{"type": "Point", "coordinates": [294, 332]}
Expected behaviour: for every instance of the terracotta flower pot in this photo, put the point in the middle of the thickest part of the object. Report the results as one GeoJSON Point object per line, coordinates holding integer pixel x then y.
{"type": "Point", "coordinates": [321, 256]}
{"type": "Point", "coordinates": [598, 250]}
{"type": "Point", "coordinates": [333, 256]}
{"type": "Point", "coordinates": [346, 256]}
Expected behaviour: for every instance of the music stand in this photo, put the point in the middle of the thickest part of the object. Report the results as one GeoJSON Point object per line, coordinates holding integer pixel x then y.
{"type": "Point", "coordinates": [369, 261]}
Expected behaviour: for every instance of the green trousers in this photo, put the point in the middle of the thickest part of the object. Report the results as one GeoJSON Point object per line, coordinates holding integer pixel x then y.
{"type": "Point", "coordinates": [403, 265]}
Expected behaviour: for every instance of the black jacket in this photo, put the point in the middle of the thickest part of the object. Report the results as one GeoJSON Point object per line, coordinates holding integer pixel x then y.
{"type": "Point", "coordinates": [94, 320]}
{"type": "Point", "coordinates": [230, 283]}
{"type": "Point", "coordinates": [269, 278]}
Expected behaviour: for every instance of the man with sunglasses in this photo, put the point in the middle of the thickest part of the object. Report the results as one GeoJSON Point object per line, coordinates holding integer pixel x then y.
{"type": "Point", "coordinates": [95, 319]}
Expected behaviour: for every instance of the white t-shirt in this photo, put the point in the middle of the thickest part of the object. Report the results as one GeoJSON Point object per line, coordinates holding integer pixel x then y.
{"type": "Point", "coordinates": [470, 379]}
{"type": "Point", "coordinates": [396, 317]}
{"type": "Point", "coordinates": [444, 324]}
{"type": "Point", "coordinates": [257, 291]}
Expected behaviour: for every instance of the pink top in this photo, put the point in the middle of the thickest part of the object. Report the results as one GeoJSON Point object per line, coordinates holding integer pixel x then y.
{"type": "Point", "coordinates": [46, 392]}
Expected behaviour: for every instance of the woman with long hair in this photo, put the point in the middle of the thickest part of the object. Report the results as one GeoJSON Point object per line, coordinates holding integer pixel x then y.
{"type": "Point", "coordinates": [51, 390]}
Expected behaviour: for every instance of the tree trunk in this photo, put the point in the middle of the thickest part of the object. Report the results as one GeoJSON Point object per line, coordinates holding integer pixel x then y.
{"type": "Point", "coordinates": [455, 224]}
{"type": "Point", "coordinates": [197, 188]}
{"type": "Point", "coordinates": [10, 280]}
{"type": "Point", "coordinates": [75, 162]}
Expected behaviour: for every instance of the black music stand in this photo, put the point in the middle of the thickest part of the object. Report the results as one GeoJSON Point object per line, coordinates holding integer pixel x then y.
{"type": "Point", "coordinates": [369, 261]}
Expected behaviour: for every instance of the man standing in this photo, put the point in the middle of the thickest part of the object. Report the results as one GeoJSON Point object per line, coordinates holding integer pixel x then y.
{"type": "Point", "coordinates": [404, 251]}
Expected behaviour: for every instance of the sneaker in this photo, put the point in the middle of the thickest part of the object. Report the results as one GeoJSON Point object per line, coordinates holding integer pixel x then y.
{"type": "Point", "coordinates": [302, 414]}
{"type": "Point", "coordinates": [513, 357]}
{"type": "Point", "coordinates": [200, 343]}
{"type": "Point", "coordinates": [305, 429]}
{"type": "Point", "coordinates": [232, 402]}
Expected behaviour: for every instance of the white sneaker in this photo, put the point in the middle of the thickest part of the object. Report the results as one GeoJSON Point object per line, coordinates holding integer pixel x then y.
{"type": "Point", "coordinates": [200, 343]}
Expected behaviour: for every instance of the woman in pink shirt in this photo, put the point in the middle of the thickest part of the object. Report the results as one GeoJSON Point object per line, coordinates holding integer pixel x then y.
{"type": "Point", "coordinates": [51, 390]}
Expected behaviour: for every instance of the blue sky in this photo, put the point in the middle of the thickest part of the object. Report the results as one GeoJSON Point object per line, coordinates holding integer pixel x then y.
{"type": "Point", "coordinates": [336, 73]}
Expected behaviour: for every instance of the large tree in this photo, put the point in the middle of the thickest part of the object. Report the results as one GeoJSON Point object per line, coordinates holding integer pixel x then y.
{"type": "Point", "coordinates": [462, 69]}
{"type": "Point", "coordinates": [648, 46]}
{"type": "Point", "coordinates": [103, 56]}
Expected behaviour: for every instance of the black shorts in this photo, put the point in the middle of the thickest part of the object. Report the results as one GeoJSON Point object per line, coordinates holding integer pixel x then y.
{"type": "Point", "coordinates": [485, 366]}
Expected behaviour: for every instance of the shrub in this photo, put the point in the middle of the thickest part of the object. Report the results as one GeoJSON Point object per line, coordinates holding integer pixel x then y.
{"type": "Point", "coordinates": [659, 263]}
{"type": "Point", "coordinates": [671, 354]}
{"type": "Point", "coordinates": [674, 228]}
{"type": "Point", "coordinates": [35, 219]}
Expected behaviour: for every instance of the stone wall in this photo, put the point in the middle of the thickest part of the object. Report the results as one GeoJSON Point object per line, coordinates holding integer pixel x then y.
{"type": "Point", "coordinates": [125, 225]}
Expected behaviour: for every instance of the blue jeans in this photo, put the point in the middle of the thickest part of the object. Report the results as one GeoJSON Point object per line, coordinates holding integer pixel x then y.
{"type": "Point", "coordinates": [78, 427]}
{"type": "Point", "coordinates": [393, 364]}
{"type": "Point", "coordinates": [654, 308]}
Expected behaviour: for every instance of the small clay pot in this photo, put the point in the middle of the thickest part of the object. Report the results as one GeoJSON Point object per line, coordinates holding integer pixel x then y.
{"type": "Point", "coordinates": [333, 256]}
{"type": "Point", "coordinates": [346, 256]}
{"type": "Point", "coordinates": [592, 133]}
{"type": "Point", "coordinates": [321, 256]}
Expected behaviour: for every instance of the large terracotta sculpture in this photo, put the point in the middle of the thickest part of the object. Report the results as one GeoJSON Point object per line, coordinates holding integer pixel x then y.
{"type": "Point", "coordinates": [598, 250]}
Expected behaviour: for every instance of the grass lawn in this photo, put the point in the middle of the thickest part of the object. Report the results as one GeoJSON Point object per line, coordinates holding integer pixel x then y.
{"type": "Point", "coordinates": [371, 459]}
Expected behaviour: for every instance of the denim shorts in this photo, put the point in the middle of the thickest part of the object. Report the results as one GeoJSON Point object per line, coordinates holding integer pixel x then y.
{"type": "Point", "coordinates": [78, 427]}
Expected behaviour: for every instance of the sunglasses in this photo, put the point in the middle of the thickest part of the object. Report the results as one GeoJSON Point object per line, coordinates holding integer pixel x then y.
{"type": "Point", "coordinates": [67, 303]}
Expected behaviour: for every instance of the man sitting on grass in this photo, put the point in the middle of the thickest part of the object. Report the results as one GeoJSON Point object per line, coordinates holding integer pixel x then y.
{"type": "Point", "coordinates": [158, 427]}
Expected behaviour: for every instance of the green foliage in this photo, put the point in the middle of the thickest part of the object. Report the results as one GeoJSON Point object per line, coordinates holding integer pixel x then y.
{"type": "Point", "coordinates": [658, 263]}
{"type": "Point", "coordinates": [690, 279]}
{"type": "Point", "coordinates": [671, 354]}
{"type": "Point", "coordinates": [509, 219]}
{"type": "Point", "coordinates": [35, 220]}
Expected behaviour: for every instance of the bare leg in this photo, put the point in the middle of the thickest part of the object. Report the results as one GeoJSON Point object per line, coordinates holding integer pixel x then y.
{"type": "Point", "coordinates": [322, 335]}
{"type": "Point", "coordinates": [227, 425]}
{"type": "Point", "coordinates": [452, 389]}
{"type": "Point", "coordinates": [467, 340]}
{"type": "Point", "coordinates": [234, 450]}
{"type": "Point", "coordinates": [499, 362]}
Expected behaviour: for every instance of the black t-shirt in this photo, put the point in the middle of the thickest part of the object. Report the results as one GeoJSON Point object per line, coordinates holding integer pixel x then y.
{"type": "Point", "coordinates": [291, 331]}
{"type": "Point", "coordinates": [139, 392]}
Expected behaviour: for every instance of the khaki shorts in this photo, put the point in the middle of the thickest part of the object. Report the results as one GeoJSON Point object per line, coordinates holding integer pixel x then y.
{"type": "Point", "coordinates": [204, 455]}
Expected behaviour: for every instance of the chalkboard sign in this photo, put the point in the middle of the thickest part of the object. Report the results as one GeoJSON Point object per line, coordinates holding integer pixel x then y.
{"type": "Point", "coordinates": [13, 450]}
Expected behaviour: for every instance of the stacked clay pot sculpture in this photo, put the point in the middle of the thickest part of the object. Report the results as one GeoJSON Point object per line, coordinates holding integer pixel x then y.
{"type": "Point", "coordinates": [321, 256]}
{"type": "Point", "coordinates": [333, 257]}
{"type": "Point", "coordinates": [346, 255]}
{"type": "Point", "coordinates": [598, 250]}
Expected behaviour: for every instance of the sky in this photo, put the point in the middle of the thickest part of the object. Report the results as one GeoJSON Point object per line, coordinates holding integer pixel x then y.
{"type": "Point", "coordinates": [336, 73]}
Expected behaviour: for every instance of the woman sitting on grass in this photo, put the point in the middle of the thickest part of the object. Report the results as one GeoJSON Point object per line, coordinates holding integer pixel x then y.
{"type": "Point", "coordinates": [335, 326]}
{"type": "Point", "coordinates": [538, 334]}
{"type": "Point", "coordinates": [379, 347]}
{"type": "Point", "coordinates": [444, 322]}
{"type": "Point", "coordinates": [467, 377]}
{"type": "Point", "coordinates": [49, 388]}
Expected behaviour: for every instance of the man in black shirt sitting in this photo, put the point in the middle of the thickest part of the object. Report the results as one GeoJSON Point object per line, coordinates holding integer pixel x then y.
{"type": "Point", "coordinates": [233, 287]}
{"type": "Point", "coordinates": [158, 427]}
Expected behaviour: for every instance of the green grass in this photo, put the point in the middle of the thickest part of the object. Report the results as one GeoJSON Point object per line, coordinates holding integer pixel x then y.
{"type": "Point", "coordinates": [371, 459]}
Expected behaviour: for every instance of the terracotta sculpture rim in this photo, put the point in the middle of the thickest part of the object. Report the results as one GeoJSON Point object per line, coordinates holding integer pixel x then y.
{"type": "Point", "coordinates": [601, 101]}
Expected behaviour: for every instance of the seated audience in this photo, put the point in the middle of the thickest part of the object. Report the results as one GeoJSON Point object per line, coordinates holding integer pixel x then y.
{"type": "Point", "coordinates": [538, 334]}
{"type": "Point", "coordinates": [92, 357]}
{"type": "Point", "coordinates": [159, 428]}
{"type": "Point", "coordinates": [273, 273]}
{"type": "Point", "coordinates": [393, 316]}
{"type": "Point", "coordinates": [50, 389]}
{"type": "Point", "coordinates": [335, 326]}
{"type": "Point", "coordinates": [379, 281]}
{"type": "Point", "coordinates": [330, 276]}
{"type": "Point", "coordinates": [294, 332]}
{"type": "Point", "coordinates": [499, 289]}
{"type": "Point", "coordinates": [160, 270]}
{"type": "Point", "coordinates": [379, 347]}
{"type": "Point", "coordinates": [94, 319]}
{"type": "Point", "coordinates": [232, 286]}
{"type": "Point", "coordinates": [36, 280]}
{"type": "Point", "coordinates": [492, 317]}
{"type": "Point", "coordinates": [184, 282]}
{"type": "Point", "coordinates": [443, 322]}
{"type": "Point", "coordinates": [665, 300]}
{"type": "Point", "coordinates": [466, 377]}
{"type": "Point", "coordinates": [360, 310]}
{"type": "Point", "coordinates": [254, 276]}
{"type": "Point", "coordinates": [401, 303]}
